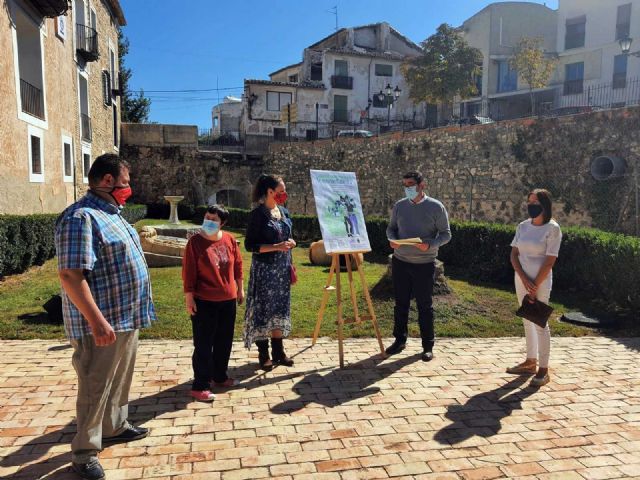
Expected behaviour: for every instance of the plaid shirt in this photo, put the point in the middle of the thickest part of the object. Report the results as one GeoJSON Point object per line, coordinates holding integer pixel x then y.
{"type": "Point", "coordinates": [92, 235]}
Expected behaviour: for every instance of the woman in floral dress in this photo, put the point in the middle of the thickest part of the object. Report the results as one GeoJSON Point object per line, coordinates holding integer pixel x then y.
{"type": "Point", "coordinates": [268, 310]}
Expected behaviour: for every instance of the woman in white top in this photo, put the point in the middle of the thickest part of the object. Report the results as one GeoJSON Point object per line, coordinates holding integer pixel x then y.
{"type": "Point", "coordinates": [534, 251]}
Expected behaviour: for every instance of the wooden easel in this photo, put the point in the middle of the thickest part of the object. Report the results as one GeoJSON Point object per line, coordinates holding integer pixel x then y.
{"type": "Point", "coordinates": [357, 318]}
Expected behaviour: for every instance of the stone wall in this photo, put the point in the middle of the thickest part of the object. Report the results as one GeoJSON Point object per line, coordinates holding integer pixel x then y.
{"type": "Point", "coordinates": [484, 172]}
{"type": "Point", "coordinates": [165, 160]}
{"type": "Point", "coordinates": [479, 172]}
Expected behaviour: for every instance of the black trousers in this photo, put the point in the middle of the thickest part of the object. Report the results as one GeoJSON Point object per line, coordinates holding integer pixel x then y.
{"type": "Point", "coordinates": [413, 280]}
{"type": "Point", "coordinates": [213, 326]}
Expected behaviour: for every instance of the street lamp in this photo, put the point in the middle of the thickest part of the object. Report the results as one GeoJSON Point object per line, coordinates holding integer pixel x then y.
{"type": "Point", "coordinates": [625, 46]}
{"type": "Point", "coordinates": [391, 99]}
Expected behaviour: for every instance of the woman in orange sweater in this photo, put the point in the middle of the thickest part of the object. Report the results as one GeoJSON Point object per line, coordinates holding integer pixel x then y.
{"type": "Point", "coordinates": [212, 278]}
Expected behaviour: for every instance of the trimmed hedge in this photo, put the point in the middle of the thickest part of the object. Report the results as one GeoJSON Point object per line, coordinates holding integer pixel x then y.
{"type": "Point", "coordinates": [25, 240]}
{"type": "Point", "coordinates": [602, 264]}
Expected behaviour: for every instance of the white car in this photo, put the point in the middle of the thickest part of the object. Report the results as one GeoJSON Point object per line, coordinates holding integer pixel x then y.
{"type": "Point", "coordinates": [355, 133]}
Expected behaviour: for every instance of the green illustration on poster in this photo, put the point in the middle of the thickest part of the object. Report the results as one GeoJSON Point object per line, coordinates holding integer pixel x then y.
{"type": "Point", "coordinates": [339, 211]}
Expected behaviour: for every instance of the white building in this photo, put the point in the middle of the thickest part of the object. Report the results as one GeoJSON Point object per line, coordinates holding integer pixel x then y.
{"type": "Point", "coordinates": [226, 118]}
{"type": "Point", "coordinates": [495, 30]}
{"type": "Point", "coordinates": [336, 86]}
{"type": "Point", "coordinates": [592, 68]}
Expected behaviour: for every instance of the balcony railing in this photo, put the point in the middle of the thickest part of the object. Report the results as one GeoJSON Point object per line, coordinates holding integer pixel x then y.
{"type": "Point", "coordinates": [85, 127]}
{"type": "Point", "coordinates": [32, 99]}
{"type": "Point", "coordinates": [51, 8]}
{"type": "Point", "coordinates": [573, 87]}
{"type": "Point", "coordinates": [87, 43]}
{"type": "Point", "coordinates": [340, 81]}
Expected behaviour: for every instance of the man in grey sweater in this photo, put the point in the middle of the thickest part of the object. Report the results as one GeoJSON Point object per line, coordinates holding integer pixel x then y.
{"type": "Point", "coordinates": [413, 267]}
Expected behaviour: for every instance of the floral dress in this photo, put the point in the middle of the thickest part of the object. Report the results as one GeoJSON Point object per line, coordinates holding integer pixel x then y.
{"type": "Point", "coordinates": [269, 293]}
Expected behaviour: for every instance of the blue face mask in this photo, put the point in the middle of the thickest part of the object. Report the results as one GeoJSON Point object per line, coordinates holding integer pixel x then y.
{"type": "Point", "coordinates": [210, 227]}
{"type": "Point", "coordinates": [411, 192]}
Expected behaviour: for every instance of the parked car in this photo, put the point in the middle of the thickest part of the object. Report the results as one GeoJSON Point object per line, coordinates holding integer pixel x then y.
{"type": "Point", "coordinates": [355, 133]}
{"type": "Point", "coordinates": [475, 120]}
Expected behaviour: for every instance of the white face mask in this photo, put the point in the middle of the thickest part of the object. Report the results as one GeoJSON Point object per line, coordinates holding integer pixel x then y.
{"type": "Point", "coordinates": [411, 192]}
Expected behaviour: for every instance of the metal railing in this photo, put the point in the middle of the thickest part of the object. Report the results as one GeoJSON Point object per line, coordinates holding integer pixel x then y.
{"type": "Point", "coordinates": [31, 99]}
{"type": "Point", "coordinates": [342, 81]}
{"type": "Point", "coordinates": [87, 42]}
{"type": "Point", "coordinates": [85, 127]}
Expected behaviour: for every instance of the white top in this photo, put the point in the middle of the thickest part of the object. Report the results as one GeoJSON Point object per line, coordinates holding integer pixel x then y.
{"type": "Point", "coordinates": [535, 243]}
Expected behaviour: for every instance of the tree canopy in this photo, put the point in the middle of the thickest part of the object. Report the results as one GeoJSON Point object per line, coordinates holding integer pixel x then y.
{"type": "Point", "coordinates": [445, 69]}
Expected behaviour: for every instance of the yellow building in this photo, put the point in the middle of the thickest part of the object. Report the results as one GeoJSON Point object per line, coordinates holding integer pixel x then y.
{"type": "Point", "coordinates": [59, 99]}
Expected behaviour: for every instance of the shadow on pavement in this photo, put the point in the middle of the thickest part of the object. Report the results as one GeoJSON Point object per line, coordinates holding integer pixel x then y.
{"type": "Point", "coordinates": [483, 413]}
{"type": "Point", "coordinates": [342, 385]}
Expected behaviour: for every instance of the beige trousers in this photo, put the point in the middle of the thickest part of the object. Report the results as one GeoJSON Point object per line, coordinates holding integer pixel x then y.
{"type": "Point", "coordinates": [104, 380]}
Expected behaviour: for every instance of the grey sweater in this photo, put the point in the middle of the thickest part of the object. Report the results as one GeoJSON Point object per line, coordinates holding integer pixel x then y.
{"type": "Point", "coordinates": [427, 220]}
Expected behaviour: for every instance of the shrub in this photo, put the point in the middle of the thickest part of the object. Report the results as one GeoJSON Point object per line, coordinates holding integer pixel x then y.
{"type": "Point", "coordinates": [604, 265]}
{"type": "Point", "coordinates": [134, 212]}
{"type": "Point", "coordinates": [25, 241]}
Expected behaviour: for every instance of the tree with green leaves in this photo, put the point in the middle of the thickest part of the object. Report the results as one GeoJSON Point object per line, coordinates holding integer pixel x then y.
{"type": "Point", "coordinates": [135, 108]}
{"type": "Point", "coordinates": [445, 70]}
{"type": "Point", "coordinates": [533, 64]}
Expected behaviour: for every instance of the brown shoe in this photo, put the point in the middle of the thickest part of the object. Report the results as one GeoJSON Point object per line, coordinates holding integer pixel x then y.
{"type": "Point", "coordinates": [523, 369]}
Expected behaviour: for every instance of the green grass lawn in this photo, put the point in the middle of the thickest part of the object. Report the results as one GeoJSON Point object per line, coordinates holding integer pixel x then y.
{"type": "Point", "coordinates": [471, 310]}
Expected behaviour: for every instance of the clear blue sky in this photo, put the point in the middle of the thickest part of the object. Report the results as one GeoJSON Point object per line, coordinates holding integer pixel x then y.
{"type": "Point", "coordinates": [204, 44]}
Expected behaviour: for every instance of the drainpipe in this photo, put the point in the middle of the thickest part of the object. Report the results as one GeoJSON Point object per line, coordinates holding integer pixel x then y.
{"type": "Point", "coordinates": [635, 178]}
{"type": "Point", "coordinates": [369, 94]}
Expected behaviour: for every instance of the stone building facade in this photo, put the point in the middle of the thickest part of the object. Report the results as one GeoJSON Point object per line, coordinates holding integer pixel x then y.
{"type": "Point", "coordinates": [59, 103]}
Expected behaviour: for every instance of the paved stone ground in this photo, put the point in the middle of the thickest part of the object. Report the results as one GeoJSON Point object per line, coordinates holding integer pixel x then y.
{"type": "Point", "coordinates": [457, 417]}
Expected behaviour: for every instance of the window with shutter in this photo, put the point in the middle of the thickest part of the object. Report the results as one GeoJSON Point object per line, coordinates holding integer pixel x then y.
{"type": "Point", "coordinates": [106, 87]}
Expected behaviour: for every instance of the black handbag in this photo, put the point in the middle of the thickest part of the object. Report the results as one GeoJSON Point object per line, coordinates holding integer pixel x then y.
{"type": "Point", "coordinates": [535, 311]}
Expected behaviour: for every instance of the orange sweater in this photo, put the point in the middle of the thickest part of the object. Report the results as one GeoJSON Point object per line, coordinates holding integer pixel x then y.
{"type": "Point", "coordinates": [210, 269]}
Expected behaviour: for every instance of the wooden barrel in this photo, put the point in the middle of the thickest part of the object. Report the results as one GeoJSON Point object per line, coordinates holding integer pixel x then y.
{"type": "Point", "coordinates": [318, 255]}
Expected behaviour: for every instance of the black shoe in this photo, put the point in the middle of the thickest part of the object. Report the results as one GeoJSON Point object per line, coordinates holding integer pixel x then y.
{"type": "Point", "coordinates": [395, 347]}
{"type": "Point", "coordinates": [278, 353]}
{"type": "Point", "coordinates": [130, 434]}
{"type": "Point", "coordinates": [427, 356]}
{"type": "Point", "coordinates": [90, 471]}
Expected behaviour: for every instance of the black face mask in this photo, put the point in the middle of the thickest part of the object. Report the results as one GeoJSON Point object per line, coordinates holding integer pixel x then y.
{"type": "Point", "coordinates": [534, 210]}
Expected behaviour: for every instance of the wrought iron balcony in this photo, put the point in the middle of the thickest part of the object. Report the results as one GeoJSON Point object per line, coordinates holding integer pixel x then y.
{"type": "Point", "coordinates": [51, 8]}
{"type": "Point", "coordinates": [341, 81]}
{"type": "Point", "coordinates": [87, 43]}
{"type": "Point", "coordinates": [32, 99]}
{"type": "Point", "coordinates": [85, 127]}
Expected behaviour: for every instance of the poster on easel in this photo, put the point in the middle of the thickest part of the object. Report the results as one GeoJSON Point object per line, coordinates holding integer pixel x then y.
{"type": "Point", "coordinates": [339, 211]}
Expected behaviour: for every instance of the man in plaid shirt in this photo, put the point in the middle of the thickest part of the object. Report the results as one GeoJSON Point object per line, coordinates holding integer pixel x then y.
{"type": "Point", "coordinates": [106, 293]}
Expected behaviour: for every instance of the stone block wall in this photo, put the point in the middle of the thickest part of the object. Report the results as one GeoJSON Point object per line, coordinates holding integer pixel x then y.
{"type": "Point", "coordinates": [484, 172]}
{"type": "Point", "coordinates": [480, 173]}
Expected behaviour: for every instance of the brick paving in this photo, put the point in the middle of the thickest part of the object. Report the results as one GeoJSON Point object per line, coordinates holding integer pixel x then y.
{"type": "Point", "coordinates": [458, 417]}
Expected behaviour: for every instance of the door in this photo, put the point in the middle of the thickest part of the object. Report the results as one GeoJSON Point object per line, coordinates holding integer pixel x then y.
{"type": "Point", "coordinates": [340, 113]}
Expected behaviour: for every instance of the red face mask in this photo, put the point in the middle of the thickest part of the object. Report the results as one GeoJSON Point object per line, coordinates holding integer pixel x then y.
{"type": "Point", "coordinates": [121, 194]}
{"type": "Point", "coordinates": [281, 198]}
